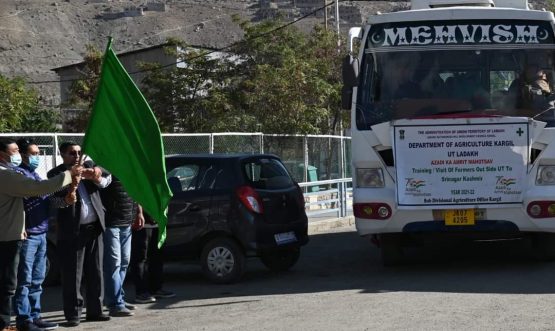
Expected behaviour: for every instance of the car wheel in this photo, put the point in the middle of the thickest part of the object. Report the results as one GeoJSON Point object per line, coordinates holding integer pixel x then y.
{"type": "Point", "coordinates": [281, 260]}
{"type": "Point", "coordinates": [52, 268]}
{"type": "Point", "coordinates": [391, 249]}
{"type": "Point", "coordinates": [544, 246]}
{"type": "Point", "coordinates": [222, 260]}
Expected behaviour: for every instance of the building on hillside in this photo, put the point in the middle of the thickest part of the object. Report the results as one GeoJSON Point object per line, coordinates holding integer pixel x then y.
{"type": "Point", "coordinates": [110, 14]}
{"type": "Point", "coordinates": [130, 60]}
{"type": "Point", "coordinates": [133, 11]}
{"type": "Point", "coordinates": [279, 3]}
{"type": "Point", "coordinates": [274, 9]}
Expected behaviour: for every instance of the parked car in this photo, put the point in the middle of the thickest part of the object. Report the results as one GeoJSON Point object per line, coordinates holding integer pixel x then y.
{"type": "Point", "coordinates": [225, 209]}
{"type": "Point", "coordinates": [229, 207]}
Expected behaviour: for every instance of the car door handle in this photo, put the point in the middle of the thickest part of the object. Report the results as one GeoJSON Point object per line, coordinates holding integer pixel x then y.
{"type": "Point", "coordinates": [194, 208]}
{"type": "Point", "coordinates": [189, 207]}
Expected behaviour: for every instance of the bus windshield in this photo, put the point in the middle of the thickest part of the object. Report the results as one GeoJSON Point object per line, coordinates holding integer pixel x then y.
{"type": "Point", "coordinates": [412, 84]}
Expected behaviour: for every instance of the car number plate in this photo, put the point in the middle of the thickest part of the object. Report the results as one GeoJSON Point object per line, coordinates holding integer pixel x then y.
{"type": "Point", "coordinates": [459, 217]}
{"type": "Point", "coordinates": [285, 237]}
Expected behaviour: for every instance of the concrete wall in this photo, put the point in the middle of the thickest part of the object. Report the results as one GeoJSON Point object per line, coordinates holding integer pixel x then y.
{"type": "Point", "coordinates": [133, 12]}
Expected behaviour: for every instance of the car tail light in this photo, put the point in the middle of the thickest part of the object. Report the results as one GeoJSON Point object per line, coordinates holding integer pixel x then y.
{"type": "Point", "coordinates": [250, 198]}
{"type": "Point", "coordinates": [541, 209]}
{"type": "Point", "coordinates": [377, 211]}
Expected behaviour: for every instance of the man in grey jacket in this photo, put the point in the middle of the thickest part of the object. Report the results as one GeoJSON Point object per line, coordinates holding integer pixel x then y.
{"type": "Point", "coordinates": [13, 189]}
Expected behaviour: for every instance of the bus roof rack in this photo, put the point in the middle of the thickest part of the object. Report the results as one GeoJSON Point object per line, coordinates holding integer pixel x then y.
{"type": "Point", "coordinates": [428, 4]}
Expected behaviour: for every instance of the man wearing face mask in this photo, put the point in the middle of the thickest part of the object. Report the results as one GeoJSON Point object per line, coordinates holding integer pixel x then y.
{"type": "Point", "coordinates": [13, 189]}
{"type": "Point", "coordinates": [32, 258]}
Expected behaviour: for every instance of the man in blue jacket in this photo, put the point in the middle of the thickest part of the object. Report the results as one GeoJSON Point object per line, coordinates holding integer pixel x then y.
{"type": "Point", "coordinates": [32, 266]}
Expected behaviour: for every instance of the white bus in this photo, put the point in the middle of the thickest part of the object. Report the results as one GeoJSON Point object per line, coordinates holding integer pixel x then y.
{"type": "Point", "coordinates": [451, 124]}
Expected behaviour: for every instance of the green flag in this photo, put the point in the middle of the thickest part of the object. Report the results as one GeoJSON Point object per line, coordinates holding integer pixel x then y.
{"type": "Point", "coordinates": [123, 137]}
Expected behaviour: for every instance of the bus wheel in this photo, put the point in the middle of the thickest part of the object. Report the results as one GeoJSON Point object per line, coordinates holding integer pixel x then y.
{"type": "Point", "coordinates": [391, 249]}
{"type": "Point", "coordinates": [544, 246]}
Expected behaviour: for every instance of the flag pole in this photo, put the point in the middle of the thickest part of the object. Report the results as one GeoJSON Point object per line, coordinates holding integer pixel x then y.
{"type": "Point", "coordinates": [122, 122]}
{"type": "Point", "coordinates": [72, 193]}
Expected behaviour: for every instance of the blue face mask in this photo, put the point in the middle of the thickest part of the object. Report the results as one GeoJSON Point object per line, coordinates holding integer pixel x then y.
{"type": "Point", "coordinates": [15, 160]}
{"type": "Point", "coordinates": [34, 162]}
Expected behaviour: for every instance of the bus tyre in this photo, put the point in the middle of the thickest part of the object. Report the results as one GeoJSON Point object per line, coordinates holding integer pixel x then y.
{"type": "Point", "coordinates": [222, 260]}
{"type": "Point", "coordinates": [391, 249]}
{"type": "Point", "coordinates": [281, 260]}
{"type": "Point", "coordinates": [544, 246]}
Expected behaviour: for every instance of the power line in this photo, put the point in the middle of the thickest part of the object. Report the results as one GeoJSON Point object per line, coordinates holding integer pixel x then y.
{"type": "Point", "coordinates": [210, 52]}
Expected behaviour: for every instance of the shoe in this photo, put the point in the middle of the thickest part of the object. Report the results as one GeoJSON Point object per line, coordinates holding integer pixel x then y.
{"type": "Point", "coordinates": [45, 325]}
{"type": "Point", "coordinates": [98, 318]}
{"type": "Point", "coordinates": [9, 328]}
{"type": "Point", "coordinates": [28, 326]}
{"type": "Point", "coordinates": [72, 323]}
{"type": "Point", "coordinates": [130, 306]}
{"type": "Point", "coordinates": [144, 298]}
{"type": "Point", "coordinates": [122, 312]}
{"type": "Point", "coordinates": [162, 294]}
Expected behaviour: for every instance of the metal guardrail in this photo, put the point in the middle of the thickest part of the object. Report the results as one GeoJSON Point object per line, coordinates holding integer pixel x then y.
{"type": "Point", "coordinates": [334, 197]}
{"type": "Point", "coordinates": [328, 154]}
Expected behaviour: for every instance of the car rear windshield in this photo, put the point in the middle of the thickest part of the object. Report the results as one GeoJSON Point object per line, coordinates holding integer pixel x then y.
{"type": "Point", "coordinates": [267, 174]}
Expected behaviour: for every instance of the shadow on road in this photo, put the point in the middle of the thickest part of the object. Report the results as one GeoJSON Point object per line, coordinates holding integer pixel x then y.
{"type": "Point", "coordinates": [344, 261]}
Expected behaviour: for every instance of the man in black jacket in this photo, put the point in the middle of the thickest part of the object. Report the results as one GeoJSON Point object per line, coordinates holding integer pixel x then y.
{"type": "Point", "coordinates": [79, 230]}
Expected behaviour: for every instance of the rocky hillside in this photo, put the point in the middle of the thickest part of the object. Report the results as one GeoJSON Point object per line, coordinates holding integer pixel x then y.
{"type": "Point", "coordinates": [38, 35]}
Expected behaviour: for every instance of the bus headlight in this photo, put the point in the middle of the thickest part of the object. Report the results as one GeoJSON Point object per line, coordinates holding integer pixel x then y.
{"type": "Point", "coordinates": [546, 175]}
{"type": "Point", "coordinates": [371, 177]}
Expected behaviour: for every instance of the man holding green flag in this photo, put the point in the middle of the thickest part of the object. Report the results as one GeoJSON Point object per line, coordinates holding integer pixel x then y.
{"type": "Point", "coordinates": [124, 138]}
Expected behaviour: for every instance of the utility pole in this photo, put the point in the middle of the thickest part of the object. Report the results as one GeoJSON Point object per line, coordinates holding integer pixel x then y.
{"type": "Point", "coordinates": [337, 23]}
{"type": "Point", "coordinates": [326, 14]}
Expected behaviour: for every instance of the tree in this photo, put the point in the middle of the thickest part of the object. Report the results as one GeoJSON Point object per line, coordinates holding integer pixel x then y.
{"type": "Point", "coordinates": [194, 96]}
{"type": "Point", "coordinates": [83, 91]}
{"type": "Point", "coordinates": [279, 80]}
{"type": "Point", "coordinates": [291, 80]}
{"type": "Point", "coordinates": [21, 110]}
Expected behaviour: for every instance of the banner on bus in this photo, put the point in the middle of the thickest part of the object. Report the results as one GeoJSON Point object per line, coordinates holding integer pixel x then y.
{"type": "Point", "coordinates": [461, 165]}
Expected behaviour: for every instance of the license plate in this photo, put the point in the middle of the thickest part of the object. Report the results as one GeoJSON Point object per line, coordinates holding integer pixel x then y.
{"type": "Point", "coordinates": [459, 217]}
{"type": "Point", "coordinates": [285, 238]}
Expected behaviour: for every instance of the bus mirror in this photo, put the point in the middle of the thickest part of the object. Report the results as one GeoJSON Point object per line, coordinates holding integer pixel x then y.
{"type": "Point", "coordinates": [355, 33]}
{"type": "Point", "coordinates": [350, 71]}
{"type": "Point", "coordinates": [346, 97]}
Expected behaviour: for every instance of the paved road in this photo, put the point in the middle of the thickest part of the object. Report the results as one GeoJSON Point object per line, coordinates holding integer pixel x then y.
{"type": "Point", "coordinates": [339, 284]}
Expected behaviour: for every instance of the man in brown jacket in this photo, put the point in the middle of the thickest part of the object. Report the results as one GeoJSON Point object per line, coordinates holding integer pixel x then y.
{"type": "Point", "coordinates": [13, 188]}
